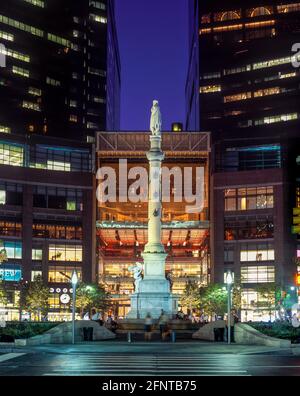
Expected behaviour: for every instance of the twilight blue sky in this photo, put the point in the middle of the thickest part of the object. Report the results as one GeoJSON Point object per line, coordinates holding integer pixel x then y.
{"type": "Point", "coordinates": [153, 39]}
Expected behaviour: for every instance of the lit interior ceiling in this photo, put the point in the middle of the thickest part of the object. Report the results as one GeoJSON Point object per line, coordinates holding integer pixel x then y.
{"type": "Point", "coordinates": [129, 237]}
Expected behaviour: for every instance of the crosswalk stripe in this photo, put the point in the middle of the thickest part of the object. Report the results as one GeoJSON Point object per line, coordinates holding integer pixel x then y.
{"type": "Point", "coordinates": [9, 356]}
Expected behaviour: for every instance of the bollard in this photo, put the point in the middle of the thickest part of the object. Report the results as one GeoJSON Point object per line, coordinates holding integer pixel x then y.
{"type": "Point", "coordinates": [129, 336]}
{"type": "Point", "coordinates": [173, 336]}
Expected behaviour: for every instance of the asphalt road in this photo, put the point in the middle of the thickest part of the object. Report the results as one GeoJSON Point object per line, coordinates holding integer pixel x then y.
{"type": "Point", "coordinates": [150, 364]}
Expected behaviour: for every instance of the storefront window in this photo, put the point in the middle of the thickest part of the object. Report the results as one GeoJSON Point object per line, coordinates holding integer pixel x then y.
{"type": "Point", "coordinates": [34, 274]}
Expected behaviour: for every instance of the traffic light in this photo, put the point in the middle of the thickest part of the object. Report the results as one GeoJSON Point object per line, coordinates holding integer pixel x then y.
{"type": "Point", "coordinates": [296, 221]}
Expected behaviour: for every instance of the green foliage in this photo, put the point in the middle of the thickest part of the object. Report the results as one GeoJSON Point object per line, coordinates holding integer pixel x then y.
{"type": "Point", "coordinates": [35, 297]}
{"type": "Point", "coordinates": [213, 299]}
{"type": "Point", "coordinates": [91, 296]}
{"type": "Point", "coordinates": [3, 294]}
{"type": "Point", "coordinates": [191, 296]}
{"type": "Point", "coordinates": [20, 330]}
{"type": "Point", "coordinates": [281, 330]}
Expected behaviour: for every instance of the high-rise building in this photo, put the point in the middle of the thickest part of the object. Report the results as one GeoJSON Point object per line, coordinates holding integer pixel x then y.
{"type": "Point", "coordinates": [247, 78]}
{"type": "Point", "coordinates": [62, 73]}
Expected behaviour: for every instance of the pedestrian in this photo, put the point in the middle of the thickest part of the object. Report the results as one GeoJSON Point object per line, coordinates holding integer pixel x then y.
{"type": "Point", "coordinates": [163, 325]}
{"type": "Point", "coordinates": [148, 327]}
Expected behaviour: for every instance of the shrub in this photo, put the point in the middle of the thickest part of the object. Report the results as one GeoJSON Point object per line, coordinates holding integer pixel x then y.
{"type": "Point", "coordinates": [19, 330]}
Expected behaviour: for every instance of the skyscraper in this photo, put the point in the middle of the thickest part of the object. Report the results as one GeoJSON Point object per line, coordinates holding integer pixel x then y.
{"type": "Point", "coordinates": [62, 74]}
{"type": "Point", "coordinates": [247, 79]}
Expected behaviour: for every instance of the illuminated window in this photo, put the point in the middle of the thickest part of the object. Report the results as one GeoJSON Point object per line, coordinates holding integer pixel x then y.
{"type": "Point", "coordinates": [205, 19]}
{"type": "Point", "coordinates": [266, 92]}
{"type": "Point", "coordinates": [9, 228]}
{"type": "Point", "coordinates": [34, 91]}
{"type": "Point", "coordinates": [228, 28]}
{"type": "Point", "coordinates": [228, 16]}
{"type": "Point", "coordinates": [31, 106]}
{"type": "Point", "coordinates": [37, 3]}
{"type": "Point", "coordinates": [13, 249]}
{"type": "Point", "coordinates": [71, 205]}
{"type": "Point", "coordinates": [210, 76]}
{"type": "Point", "coordinates": [237, 70]}
{"type": "Point", "coordinates": [97, 72]}
{"type": "Point", "coordinates": [20, 71]}
{"type": "Point", "coordinates": [21, 26]}
{"type": "Point", "coordinates": [260, 227]}
{"type": "Point", "coordinates": [260, 11]}
{"type": "Point", "coordinates": [237, 97]}
{"type": "Point", "coordinates": [5, 129]}
{"type": "Point", "coordinates": [11, 155]}
{"type": "Point", "coordinates": [277, 118]}
{"type": "Point", "coordinates": [97, 4]}
{"type": "Point", "coordinates": [37, 254]}
{"type": "Point", "coordinates": [52, 81]}
{"type": "Point", "coordinates": [264, 274]}
{"type": "Point", "coordinates": [272, 63]}
{"type": "Point", "coordinates": [283, 9]}
{"type": "Point", "coordinates": [249, 198]}
{"type": "Point", "coordinates": [58, 166]}
{"type": "Point", "coordinates": [2, 197]}
{"type": "Point", "coordinates": [98, 18]}
{"type": "Point", "coordinates": [73, 118]}
{"type": "Point", "coordinates": [61, 274]}
{"type": "Point", "coordinates": [254, 253]}
{"type": "Point", "coordinates": [59, 40]}
{"type": "Point", "coordinates": [34, 274]}
{"type": "Point", "coordinates": [6, 36]}
{"type": "Point", "coordinates": [210, 89]}
{"type": "Point", "coordinates": [14, 54]}
{"type": "Point", "coordinates": [65, 253]}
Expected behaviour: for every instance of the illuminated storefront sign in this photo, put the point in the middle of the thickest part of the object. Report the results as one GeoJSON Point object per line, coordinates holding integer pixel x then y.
{"type": "Point", "coordinates": [10, 273]}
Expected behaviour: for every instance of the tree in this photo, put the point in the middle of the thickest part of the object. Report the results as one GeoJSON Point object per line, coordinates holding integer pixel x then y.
{"type": "Point", "coordinates": [3, 294]}
{"type": "Point", "coordinates": [90, 297]}
{"type": "Point", "coordinates": [266, 298]}
{"type": "Point", "coordinates": [191, 296]}
{"type": "Point", "coordinates": [237, 295]}
{"type": "Point", "coordinates": [213, 299]}
{"type": "Point", "coordinates": [36, 298]}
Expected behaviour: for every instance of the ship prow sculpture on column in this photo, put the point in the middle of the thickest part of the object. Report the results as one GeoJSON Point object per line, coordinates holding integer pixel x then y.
{"type": "Point", "coordinates": [152, 292]}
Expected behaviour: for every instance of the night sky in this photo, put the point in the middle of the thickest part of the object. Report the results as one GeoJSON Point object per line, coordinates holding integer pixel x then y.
{"type": "Point", "coordinates": [153, 40]}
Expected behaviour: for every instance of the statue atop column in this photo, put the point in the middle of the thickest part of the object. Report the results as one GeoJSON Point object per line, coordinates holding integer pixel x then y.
{"type": "Point", "coordinates": [156, 119]}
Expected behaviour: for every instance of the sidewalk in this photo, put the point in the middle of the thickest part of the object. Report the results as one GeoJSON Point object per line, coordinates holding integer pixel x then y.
{"type": "Point", "coordinates": [115, 347]}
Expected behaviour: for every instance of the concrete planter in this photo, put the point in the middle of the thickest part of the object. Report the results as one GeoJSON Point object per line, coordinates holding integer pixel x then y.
{"type": "Point", "coordinates": [247, 335]}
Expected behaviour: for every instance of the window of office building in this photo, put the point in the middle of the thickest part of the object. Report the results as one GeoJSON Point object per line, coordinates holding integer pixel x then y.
{"type": "Point", "coordinates": [248, 158]}
{"type": "Point", "coordinates": [251, 198]}
{"type": "Point", "coordinates": [11, 194]}
{"type": "Point", "coordinates": [210, 89]}
{"type": "Point", "coordinates": [35, 274]}
{"type": "Point", "coordinates": [285, 8]}
{"type": "Point", "coordinates": [263, 274]}
{"type": "Point", "coordinates": [229, 254]}
{"type": "Point", "coordinates": [62, 274]}
{"type": "Point", "coordinates": [58, 198]}
{"type": "Point", "coordinates": [256, 306]}
{"type": "Point", "coordinates": [10, 228]}
{"type": "Point", "coordinates": [13, 249]}
{"type": "Point", "coordinates": [37, 254]}
{"type": "Point", "coordinates": [257, 252]}
{"type": "Point", "coordinates": [49, 231]}
{"type": "Point", "coordinates": [11, 154]}
{"type": "Point", "coordinates": [65, 253]}
{"type": "Point", "coordinates": [259, 228]}
{"type": "Point", "coordinates": [259, 11]}
{"type": "Point", "coordinates": [60, 159]}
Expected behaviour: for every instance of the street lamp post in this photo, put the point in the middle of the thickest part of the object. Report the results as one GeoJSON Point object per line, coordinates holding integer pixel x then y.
{"type": "Point", "coordinates": [74, 281]}
{"type": "Point", "coordinates": [229, 281]}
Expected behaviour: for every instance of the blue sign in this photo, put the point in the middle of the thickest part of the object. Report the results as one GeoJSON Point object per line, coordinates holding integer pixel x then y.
{"type": "Point", "coordinates": [10, 273]}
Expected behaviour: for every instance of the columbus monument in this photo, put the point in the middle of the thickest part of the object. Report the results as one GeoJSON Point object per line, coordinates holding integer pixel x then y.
{"type": "Point", "coordinates": [152, 289]}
